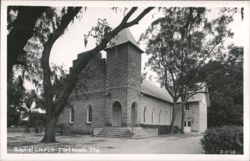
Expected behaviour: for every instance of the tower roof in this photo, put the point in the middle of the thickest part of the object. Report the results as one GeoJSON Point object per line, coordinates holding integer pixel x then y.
{"type": "Point", "coordinates": [123, 37]}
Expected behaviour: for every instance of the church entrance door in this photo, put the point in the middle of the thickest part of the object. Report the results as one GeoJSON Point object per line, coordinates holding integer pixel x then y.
{"type": "Point", "coordinates": [116, 114]}
{"type": "Point", "coordinates": [133, 114]}
{"type": "Point", "coordinates": [187, 126]}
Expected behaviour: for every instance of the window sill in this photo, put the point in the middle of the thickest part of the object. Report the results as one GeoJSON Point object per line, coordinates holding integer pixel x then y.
{"type": "Point", "coordinates": [88, 123]}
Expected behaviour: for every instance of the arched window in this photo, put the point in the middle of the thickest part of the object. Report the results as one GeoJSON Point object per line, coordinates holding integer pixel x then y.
{"type": "Point", "coordinates": [72, 115]}
{"type": "Point", "coordinates": [167, 117]}
{"type": "Point", "coordinates": [187, 106]}
{"type": "Point", "coordinates": [144, 114]}
{"type": "Point", "coordinates": [160, 116]}
{"type": "Point", "coordinates": [89, 114]}
{"type": "Point", "coordinates": [153, 112]}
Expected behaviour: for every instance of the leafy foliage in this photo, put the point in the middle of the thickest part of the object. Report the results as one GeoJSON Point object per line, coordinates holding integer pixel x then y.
{"type": "Point", "coordinates": [27, 66]}
{"type": "Point", "coordinates": [19, 101]}
{"type": "Point", "coordinates": [24, 57]}
{"type": "Point", "coordinates": [38, 120]}
{"type": "Point", "coordinates": [179, 43]}
{"type": "Point", "coordinates": [162, 129]}
{"type": "Point", "coordinates": [98, 32]}
{"type": "Point", "coordinates": [59, 78]}
{"type": "Point", "coordinates": [16, 92]}
{"type": "Point", "coordinates": [223, 140]}
{"type": "Point", "coordinates": [225, 88]}
{"type": "Point", "coordinates": [45, 22]}
{"type": "Point", "coordinates": [20, 30]}
{"type": "Point", "coordinates": [12, 116]}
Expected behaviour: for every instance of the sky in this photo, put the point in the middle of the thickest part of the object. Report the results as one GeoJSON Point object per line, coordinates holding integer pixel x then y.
{"type": "Point", "coordinates": [67, 47]}
{"type": "Point", "coordinates": [73, 40]}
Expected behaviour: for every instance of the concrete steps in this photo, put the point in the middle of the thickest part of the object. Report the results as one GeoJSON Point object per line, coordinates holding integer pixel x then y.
{"type": "Point", "coordinates": [115, 132]}
{"type": "Point", "coordinates": [123, 132]}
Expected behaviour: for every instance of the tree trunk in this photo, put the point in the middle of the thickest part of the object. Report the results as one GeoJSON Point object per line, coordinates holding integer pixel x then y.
{"type": "Point", "coordinates": [50, 131]}
{"type": "Point", "coordinates": [182, 118]}
{"type": "Point", "coordinates": [28, 122]}
{"type": "Point", "coordinates": [173, 118]}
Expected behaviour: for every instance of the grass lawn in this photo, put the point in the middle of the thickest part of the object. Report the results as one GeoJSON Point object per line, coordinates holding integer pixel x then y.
{"type": "Point", "coordinates": [19, 142]}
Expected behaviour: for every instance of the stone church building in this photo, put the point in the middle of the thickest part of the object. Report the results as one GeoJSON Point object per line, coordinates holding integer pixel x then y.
{"type": "Point", "coordinates": [111, 99]}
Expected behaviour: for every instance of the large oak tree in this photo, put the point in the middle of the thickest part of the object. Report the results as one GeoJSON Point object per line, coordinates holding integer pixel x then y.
{"type": "Point", "coordinates": [181, 42]}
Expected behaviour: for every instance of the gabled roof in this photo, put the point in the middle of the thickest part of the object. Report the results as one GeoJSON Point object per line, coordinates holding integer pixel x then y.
{"type": "Point", "coordinates": [123, 37]}
{"type": "Point", "coordinates": [147, 87]}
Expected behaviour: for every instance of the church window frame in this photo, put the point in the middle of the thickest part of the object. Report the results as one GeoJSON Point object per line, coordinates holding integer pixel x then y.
{"type": "Point", "coordinates": [72, 115]}
{"type": "Point", "coordinates": [144, 114]}
{"type": "Point", "coordinates": [187, 123]}
{"type": "Point", "coordinates": [187, 106]}
{"type": "Point", "coordinates": [89, 114]}
{"type": "Point", "coordinates": [160, 116]}
{"type": "Point", "coordinates": [153, 113]}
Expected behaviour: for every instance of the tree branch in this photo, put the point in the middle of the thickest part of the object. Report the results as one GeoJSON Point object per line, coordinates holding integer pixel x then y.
{"type": "Point", "coordinates": [128, 15]}
{"type": "Point", "coordinates": [166, 84]}
{"type": "Point", "coordinates": [47, 84]}
{"type": "Point", "coordinates": [202, 62]}
{"type": "Point", "coordinates": [88, 55]}
{"type": "Point", "coordinates": [191, 95]}
{"type": "Point", "coordinates": [137, 19]}
{"type": "Point", "coordinates": [207, 56]}
{"type": "Point", "coordinates": [67, 18]}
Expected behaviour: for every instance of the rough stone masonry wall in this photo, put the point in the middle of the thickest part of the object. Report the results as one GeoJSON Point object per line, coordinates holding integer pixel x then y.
{"type": "Point", "coordinates": [89, 91]}
{"type": "Point", "coordinates": [134, 68]}
{"type": "Point", "coordinates": [134, 96]}
{"type": "Point", "coordinates": [92, 78]}
{"type": "Point", "coordinates": [117, 81]}
{"type": "Point", "coordinates": [96, 101]}
{"type": "Point", "coordinates": [134, 83]}
{"type": "Point", "coordinates": [117, 62]}
{"type": "Point", "coordinates": [116, 95]}
{"type": "Point", "coordinates": [123, 79]}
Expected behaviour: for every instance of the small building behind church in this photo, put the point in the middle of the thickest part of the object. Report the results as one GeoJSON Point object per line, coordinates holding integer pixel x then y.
{"type": "Point", "coordinates": [111, 99]}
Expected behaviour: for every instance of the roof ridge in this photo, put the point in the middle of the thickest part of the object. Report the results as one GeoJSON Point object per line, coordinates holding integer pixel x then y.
{"type": "Point", "coordinates": [122, 37]}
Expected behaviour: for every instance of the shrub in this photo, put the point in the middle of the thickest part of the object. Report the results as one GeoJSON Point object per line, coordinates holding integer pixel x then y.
{"type": "Point", "coordinates": [60, 128]}
{"type": "Point", "coordinates": [223, 140]}
{"type": "Point", "coordinates": [163, 129]}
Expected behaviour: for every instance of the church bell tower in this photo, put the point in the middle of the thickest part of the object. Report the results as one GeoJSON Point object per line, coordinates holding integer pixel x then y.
{"type": "Point", "coordinates": [123, 77]}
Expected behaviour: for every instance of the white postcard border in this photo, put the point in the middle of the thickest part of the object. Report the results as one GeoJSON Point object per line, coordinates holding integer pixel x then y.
{"type": "Point", "coordinates": [3, 98]}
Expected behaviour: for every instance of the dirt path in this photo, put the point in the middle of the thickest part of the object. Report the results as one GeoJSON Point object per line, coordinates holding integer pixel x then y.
{"type": "Point", "coordinates": [175, 144]}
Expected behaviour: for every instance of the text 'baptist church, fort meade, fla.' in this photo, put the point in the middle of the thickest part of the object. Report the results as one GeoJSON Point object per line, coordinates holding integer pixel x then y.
{"type": "Point", "coordinates": [111, 99]}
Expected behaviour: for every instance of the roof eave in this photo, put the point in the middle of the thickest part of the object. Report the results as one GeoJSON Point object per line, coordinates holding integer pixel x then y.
{"type": "Point", "coordinates": [156, 97]}
{"type": "Point", "coordinates": [135, 46]}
